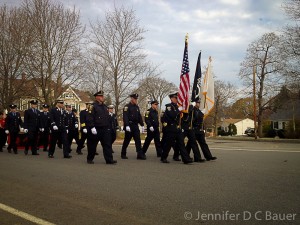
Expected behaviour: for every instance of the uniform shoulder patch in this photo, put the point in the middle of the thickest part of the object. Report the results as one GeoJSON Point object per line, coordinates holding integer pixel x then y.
{"type": "Point", "coordinates": [147, 113]}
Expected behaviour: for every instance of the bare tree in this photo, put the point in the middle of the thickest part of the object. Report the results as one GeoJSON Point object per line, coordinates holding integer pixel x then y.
{"type": "Point", "coordinates": [117, 41]}
{"type": "Point", "coordinates": [290, 48]}
{"type": "Point", "coordinates": [15, 40]}
{"type": "Point", "coordinates": [97, 75]}
{"type": "Point", "coordinates": [224, 91]}
{"type": "Point", "coordinates": [54, 59]}
{"type": "Point", "coordinates": [157, 88]}
{"type": "Point", "coordinates": [263, 54]}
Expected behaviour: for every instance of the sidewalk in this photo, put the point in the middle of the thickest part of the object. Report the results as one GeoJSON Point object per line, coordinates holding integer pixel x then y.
{"type": "Point", "coordinates": [245, 138]}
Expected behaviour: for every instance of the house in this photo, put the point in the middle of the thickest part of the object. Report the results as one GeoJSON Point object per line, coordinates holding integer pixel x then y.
{"type": "Point", "coordinates": [286, 115]}
{"type": "Point", "coordinates": [75, 98]}
{"type": "Point", "coordinates": [241, 125]}
{"type": "Point", "coordinates": [30, 90]}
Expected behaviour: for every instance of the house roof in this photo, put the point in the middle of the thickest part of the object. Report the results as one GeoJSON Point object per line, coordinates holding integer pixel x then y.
{"type": "Point", "coordinates": [233, 121]}
{"type": "Point", "coordinates": [287, 111]}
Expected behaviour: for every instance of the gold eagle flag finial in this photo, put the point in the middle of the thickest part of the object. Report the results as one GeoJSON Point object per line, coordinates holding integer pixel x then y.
{"type": "Point", "coordinates": [186, 37]}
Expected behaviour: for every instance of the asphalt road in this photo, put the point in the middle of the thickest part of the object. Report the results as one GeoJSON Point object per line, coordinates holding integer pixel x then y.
{"type": "Point", "coordinates": [249, 183]}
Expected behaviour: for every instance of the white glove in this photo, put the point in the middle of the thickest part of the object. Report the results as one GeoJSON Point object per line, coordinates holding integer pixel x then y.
{"type": "Point", "coordinates": [22, 129]}
{"type": "Point", "coordinates": [67, 131]}
{"type": "Point", "coordinates": [94, 131]}
{"type": "Point", "coordinates": [76, 125]}
{"type": "Point", "coordinates": [143, 129]}
{"type": "Point", "coordinates": [7, 131]}
{"type": "Point", "coordinates": [55, 127]}
{"type": "Point", "coordinates": [151, 128]}
{"type": "Point", "coordinates": [128, 129]}
{"type": "Point", "coordinates": [180, 108]}
{"type": "Point", "coordinates": [84, 130]}
{"type": "Point", "coordinates": [42, 129]}
{"type": "Point", "coordinates": [25, 131]}
{"type": "Point", "coordinates": [182, 130]}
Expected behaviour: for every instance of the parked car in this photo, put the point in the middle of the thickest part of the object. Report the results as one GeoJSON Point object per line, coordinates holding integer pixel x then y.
{"type": "Point", "coordinates": [250, 132]}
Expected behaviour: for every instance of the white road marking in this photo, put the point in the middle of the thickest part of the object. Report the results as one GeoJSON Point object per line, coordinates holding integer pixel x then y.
{"type": "Point", "coordinates": [253, 150]}
{"type": "Point", "coordinates": [24, 215]}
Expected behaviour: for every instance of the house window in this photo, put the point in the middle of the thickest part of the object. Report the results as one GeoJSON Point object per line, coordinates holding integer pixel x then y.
{"type": "Point", "coordinates": [275, 125]}
{"type": "Point", "coordinates": [68, 95]}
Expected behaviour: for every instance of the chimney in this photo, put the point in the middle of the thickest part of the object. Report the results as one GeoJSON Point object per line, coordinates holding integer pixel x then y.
{"type": "Point", "coordinates": [23, 76]}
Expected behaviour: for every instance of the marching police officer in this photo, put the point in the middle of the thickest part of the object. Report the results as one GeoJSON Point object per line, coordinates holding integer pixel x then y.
{"type": "Point", "coordinates": [31, 127]}
{"type": "Point", "coordinates": [197, 124]}
{"type": "Point", "coordinates": [12, 127]}
{"type": "Point", "coordinates": [76, 132]}
{"type": "Point", "coordinates": [44, 127]}
{"type": "Point", "coordinates": [173, 133]}
{"type": "Point", "coordinates": [114, 124]}
{"type": "Point", "coordinates": [100, 130]}
{"type": "Point", "coordinates": [59, 129]}
{"type": "Point", "coordinates": [72, 124]}
{"type": "Point", "coordinates": [186, 125]}
{"type": "Point", "coordinates": [83, 117]}
{"type": "Point", "coordinates": [152, 121]}
{"type": "Point", "coordinates": [131, 119]}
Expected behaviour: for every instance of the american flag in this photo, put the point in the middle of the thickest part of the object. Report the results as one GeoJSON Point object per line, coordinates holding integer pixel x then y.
{"type": "Point", "coordinates": [184, 87]}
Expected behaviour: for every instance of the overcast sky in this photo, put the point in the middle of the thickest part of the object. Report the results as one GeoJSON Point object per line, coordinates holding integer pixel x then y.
{"type": "Point", "coordinates": [222, 29]}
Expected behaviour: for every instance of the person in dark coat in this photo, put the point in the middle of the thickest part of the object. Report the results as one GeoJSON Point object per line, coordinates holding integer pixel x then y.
{"type": "Point", "coordinates": [44, 127]}
{"type": "Point", "coordinates": [13, 123]}
{"type": "Point", "coordinates": [31, 127]}
{"type": "Point", "coordinates": [173, 134]}
{"type": "Point", "coordinates": [114, 124]}
{"type": "Point", "coordinates": [131, 120]}
{"type": "Point", "coordinates": [59, 129]}
{"type": "Point", "coordinates": [152, 121]}
{"type": "Point", "coordinates": [186, 126]}
{"type": "Point", "coordinates": [100, 130]}
{"type": "Point", "coordinates": [83, 118]}
{"type": "Point", "coordinates": [72, 124]}
{"type": "Point", "coordinates": [197, 124]}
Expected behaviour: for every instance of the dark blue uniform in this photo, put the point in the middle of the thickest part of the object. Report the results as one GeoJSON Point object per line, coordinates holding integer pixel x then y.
{"type": "Point", "coordinates": [173, 134]}
{"type": "Point", "coordinates": [151, 119]}
{"type": "Point", "coordinates": [71, 121]}
{"type": "Point", "coordinates": [100, 121]}
{"type": "Point", "coordinates": [12, 124]}
{"type": "Point", "coordinates": [132, 118]}
{"type": "Point", "coordinates": [84, 124]}
{"type": "Point", "coordinates": [58, 118]}
{"type": "Point", "coordinates": [44, 125]}
{"type": "Point", "coordinates": [31, 123]}
{"type": "Point", "coordinates": [197, 124]}
{"type": "Point", "coordinates": [114, 126]}
{"type": "Point", "coordinates": [190, 134]}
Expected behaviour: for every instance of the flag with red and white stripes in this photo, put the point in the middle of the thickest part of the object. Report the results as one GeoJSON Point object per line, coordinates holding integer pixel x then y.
{"type": "Point", "coordinates": [184, 87]}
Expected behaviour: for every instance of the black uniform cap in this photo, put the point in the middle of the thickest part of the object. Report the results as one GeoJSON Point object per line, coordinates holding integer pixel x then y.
{"type": "Point", "coordinates": [33, 102]}
{"type": "Point", "coordinates": [45, 106]}
{"type": "Point", "coordinates": [12, 106]}
{"type": "Point", "coordinates": [154, 102]}
{"type": "Point", "coordinates": [134, 95]}
{"type": "Point", "coordinates": [174, 95]}
{"type": "Point", "coordinates": [60, 101]}
{"type": "Point", "coordinates": [99, 93]}
{"type": "Point", "coordinates": [110, 106]}
{"type": "Point", "coordinates": [89, 103]}
{"type": "Point", "coordinates": [74, 110]}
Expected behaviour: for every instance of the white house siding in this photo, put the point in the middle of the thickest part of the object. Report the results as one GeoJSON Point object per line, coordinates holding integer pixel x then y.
{"type": "Point", "coordinates": [242, 125]}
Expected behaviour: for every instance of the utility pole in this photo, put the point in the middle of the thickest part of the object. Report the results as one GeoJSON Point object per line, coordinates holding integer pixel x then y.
{"type": "Point", "coordinates": [254, 102]}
